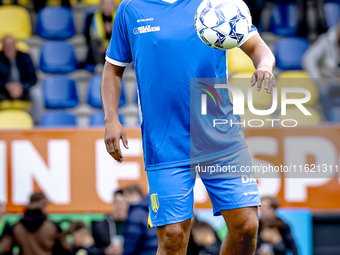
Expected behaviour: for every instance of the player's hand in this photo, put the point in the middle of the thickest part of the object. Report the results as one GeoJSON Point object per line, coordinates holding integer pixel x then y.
{"type": "Point", "coordinates": [263, 74]}
{"type": "Point", "coordinates": [113, 133]}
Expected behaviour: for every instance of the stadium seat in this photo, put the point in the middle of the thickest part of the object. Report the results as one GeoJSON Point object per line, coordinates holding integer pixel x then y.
{"type": "Point", "coordinates": [93, 93]}
{"type": "Point", "coordinates": [332, 13]}
{"type": "Point", "coordinates": [58, 2]}
{"type": "Point", "coordinates": [96, 119]}
{"type": "Point", "coordinates": [60, 92]}
{"type": "Point", "coordinates": [15, 104]}
{"type": "Point", "coordinates": [243, 81]}
{"type": "Point", "coordinates": [284, 19]}
{"type": "Point", "coordinates": [21, 46]}
{"type": "Point", "coordinates": [55, 23]}
{"type": "Point", "coordinates": [298, 79]}
{"type": "Point", "coordinates": [57, 58]}
{"type": "Point", "coordinates": [334, 114]}
{"type": "Point", "coordinates": [238, 61]}
{"type": "Point", "coordinates": [58, 119]}
{"type": "Point", "coordinates": [15, 21]}
{"type": "Point", "coordinates": [289, 51]}
{"type": "Point", "coordinates": [15, 119]}
{"type": "Point", "coordinates": [295, 113]}
{"type": "Point", "coordinates": [91, 2]}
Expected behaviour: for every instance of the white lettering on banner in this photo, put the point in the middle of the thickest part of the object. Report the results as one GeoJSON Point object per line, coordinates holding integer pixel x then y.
{"type": "Point", "coordinates": [108, 171]}
{"type": "Point", "coordinates": [3, 172]}
{"type": "Point", "coordinates": [263, 145]}
{"type": "Point", "coordinates": [53, 178]}
{"type": "Point", "coordinates": [296, 150]}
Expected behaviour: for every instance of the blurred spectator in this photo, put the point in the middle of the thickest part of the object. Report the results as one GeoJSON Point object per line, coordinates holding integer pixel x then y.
{"type": "Point", "coordinates": [321, 61]}
{"type": "Point", "coordinates": [270, 239]}
{"type": "Point", "coordinates": [109, 233]}
{"type": "Point", "coordinates": [274, 223]}
{"type": "Point", "coordinates": [34, 233]}
{"type": "Point", "coordinates": [17, 72]}
{"type": "Point", "coordinates": [203, 239]}
{"type": "Point", "coordinates": [2, 211]}
{"type": "Point", "coordinates": [138, 239]}
{"type": "Point", "coordinates": [83, 242]}
{"type": "Point", "coordinates": [98, 30]}
{"type": "Point", "coordinates": [39, 4]}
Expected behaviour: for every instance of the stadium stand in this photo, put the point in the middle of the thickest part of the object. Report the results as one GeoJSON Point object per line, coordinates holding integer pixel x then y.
{"type": "Point", "coordinates": [55, 23]}
{"type": "Point", "coordinates": [298, 79]}
{"type": "Point", "coordinates": [303, 120]}
{"type": "Point", "coordinates": [284, 19]}
{"type": "Point", "coordinates": [289, 51]}
{"type": "Point", "coordinates": [15, 104]}
{"type": "Point", "coordinates": [57, 58]}
{"type": "Point", "coordinates": [15, 21]}
{"type": "Point", "coordinates": [93, 93]}
{"type": "Point", "coordinates": [91, 2]}
{"type": "Point", "coordinates": [15, 119]}
{"type": "Point", "coordinates": [58, 2]}
{"type": "Point", "coordinates": [243, 81]}
{"type": "Point", "coordinates": [238, 61]}
{"type": "Point", "coordinates": [60, 92]}
{"type": "Point", "coordinates": [58, 119]}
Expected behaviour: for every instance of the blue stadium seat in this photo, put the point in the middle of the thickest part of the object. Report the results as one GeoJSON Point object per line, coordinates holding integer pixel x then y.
{"type": "Point", "coordinates": [334, 114]}
{"type": "Point", "coordinates": [96, 119]}
{"type": "Point", "coordinates": [332, 13]}
{"type": "Point", "coordinates": [289, 51]}
{"type": "Point", "coordinates": [93, 93]}
{"type": "Point", "coordinates": [284, 19]}
{"type": "Point", "coordinates": [58, 119]}
{"type": "Point", "coordinates": [57, 58]}
{"type": "Point", "coordinates": [55, 23]}
{"type": "Point", "coordinates": [60, 92]}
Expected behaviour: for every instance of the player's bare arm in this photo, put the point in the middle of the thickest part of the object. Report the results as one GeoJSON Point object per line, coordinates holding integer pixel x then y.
{"type": "Point", "coordinates": [264, 62]}
{"type": "Point", "coordinates": [110, 90]}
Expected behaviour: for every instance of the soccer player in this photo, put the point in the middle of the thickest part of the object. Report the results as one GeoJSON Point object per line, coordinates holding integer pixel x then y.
{"type": "Point", "coordinates": [160, 38]}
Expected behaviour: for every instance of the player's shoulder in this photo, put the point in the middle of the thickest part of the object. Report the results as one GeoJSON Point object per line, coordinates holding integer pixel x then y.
{"type": "Point", "coordinates": [126, 4]}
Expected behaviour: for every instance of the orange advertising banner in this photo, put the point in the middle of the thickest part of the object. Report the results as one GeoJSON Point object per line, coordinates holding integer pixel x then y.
{"type": "Point", "coordinates": [72, 168]}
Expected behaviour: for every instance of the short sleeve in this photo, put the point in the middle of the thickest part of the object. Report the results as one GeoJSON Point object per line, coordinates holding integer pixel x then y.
{"type": "Point", "coordinates": [119, 52]}
{"type": "Point", "coordinates": [253, 31]}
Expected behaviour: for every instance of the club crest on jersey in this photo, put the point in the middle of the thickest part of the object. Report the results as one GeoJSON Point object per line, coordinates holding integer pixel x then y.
{"type": "Point", "coordinates": [154, 202]}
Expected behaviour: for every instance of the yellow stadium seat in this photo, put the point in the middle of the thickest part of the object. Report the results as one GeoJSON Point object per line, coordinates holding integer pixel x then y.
{"type": "Point", "coordinates": [21, 46]}
{"type": "Point", "coordinates": [250, 116]}
{"type": "Point", "coordinates": [303, 120]}
{"type": "Point", "coordinates": [58, 2]}
{"type": "Point", "coordinates": [238, 61]}
{"type": "Point", "coordinates": [91, 2]}
{"type": "Point", "coordinates": [243, 81]}
{"type": "Point", "coordinates": [15, 21]}
{"type": "Point", "coordinates": [15, 119]}
{"type": "Point", "coordinates": [15, 104]}
{"type": "Point", "coordinates": [298, 79]}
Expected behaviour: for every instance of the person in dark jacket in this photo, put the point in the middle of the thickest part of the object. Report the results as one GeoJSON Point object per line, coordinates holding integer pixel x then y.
{"type": "Point", "coordinates": [109, 233]}
{"type": "Point", "coordinates": [17, 72]}
{"type": "Point", "coordinates": [268, 208]}
{"type": "Point", "coordinates": [138, 239]}
{"type": "Point", "coordinates": [34, 233]}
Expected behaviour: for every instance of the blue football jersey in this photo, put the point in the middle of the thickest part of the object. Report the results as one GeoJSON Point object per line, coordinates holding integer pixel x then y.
{"type": "Point", "coordinates": [161, 40]}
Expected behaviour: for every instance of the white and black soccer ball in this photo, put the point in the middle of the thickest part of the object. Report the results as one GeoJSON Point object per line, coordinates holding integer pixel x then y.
{"type": "Point", "coordinates": [222, 24]}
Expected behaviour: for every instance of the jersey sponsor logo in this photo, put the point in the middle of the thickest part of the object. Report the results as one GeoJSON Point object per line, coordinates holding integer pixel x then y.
{"type": "Point", "coordinates": [154, 202]}
{"type": "Point", "coordinates": [146, 29]}
{"type": "Point", "coordinates": [144, 20]}
{"type": "Point", "coordinates": [251, 193]}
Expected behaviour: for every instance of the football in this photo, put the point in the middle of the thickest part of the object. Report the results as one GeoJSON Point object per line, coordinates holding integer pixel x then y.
{"type": "Point", "coordinates": [222, 24]}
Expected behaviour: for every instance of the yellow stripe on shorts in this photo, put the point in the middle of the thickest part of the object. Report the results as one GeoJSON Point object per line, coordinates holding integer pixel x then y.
{"type": "Point", "coordinates": [149, 222]}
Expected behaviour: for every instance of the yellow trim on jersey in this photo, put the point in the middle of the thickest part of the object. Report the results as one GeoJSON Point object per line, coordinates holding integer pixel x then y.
{"type": "Point", "coordinates": [149, 221]}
